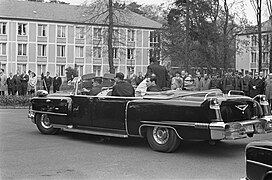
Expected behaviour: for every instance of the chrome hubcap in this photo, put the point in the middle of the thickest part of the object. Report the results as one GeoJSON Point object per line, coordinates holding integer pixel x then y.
{"type": "Point", "coordinates": [160, 135]}
{"type": "Point", "coordinates": [45, 122]}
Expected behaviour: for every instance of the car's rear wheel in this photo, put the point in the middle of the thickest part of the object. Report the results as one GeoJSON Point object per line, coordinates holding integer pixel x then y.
{"type": "Point", "coordinates": [162, 139]}
{"type": "Point", "coordinates": [44, 125]}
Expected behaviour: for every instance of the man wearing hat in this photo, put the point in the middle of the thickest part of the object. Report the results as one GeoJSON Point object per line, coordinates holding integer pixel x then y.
{"type": "Point", "coordinates": [122, 88]}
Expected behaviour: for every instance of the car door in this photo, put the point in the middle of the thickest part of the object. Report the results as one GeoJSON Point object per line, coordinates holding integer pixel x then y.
{"type": "Point", "coordinates": [109, 112]}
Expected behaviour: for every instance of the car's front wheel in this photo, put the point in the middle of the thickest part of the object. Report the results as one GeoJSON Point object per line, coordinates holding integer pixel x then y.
{"type": "Point", "coordinates": [162, 139]}
{"type": "Point", "coordinates": [44, 125]}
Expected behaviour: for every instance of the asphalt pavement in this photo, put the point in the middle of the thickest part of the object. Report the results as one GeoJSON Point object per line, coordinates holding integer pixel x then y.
{"type": "Point", "coordinates": [25, 153]}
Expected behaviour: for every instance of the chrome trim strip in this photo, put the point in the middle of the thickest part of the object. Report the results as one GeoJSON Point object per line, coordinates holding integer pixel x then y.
{"type": "Point", "coordinates": [126, 118]}
{"type": "Point", "coordinates": [262, 148]}
{"type": "Point", "coordinates": [95, 133]}
{"type": "Point", "coordinates": [143, 125]}
{"type": "Point", "coordinates": [52, 113]}
{"type": "Point", "coordinates": [192, 124]}
{"type": "Point", "coordinates": [261, 164]}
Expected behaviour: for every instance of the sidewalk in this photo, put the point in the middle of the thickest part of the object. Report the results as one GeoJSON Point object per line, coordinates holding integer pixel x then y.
{"type": "Point", "coordinates": [13, 107]}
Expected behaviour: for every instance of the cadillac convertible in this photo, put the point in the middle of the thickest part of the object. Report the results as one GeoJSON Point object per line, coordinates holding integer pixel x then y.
{"type": "Point", "coordinates": [165, 118]}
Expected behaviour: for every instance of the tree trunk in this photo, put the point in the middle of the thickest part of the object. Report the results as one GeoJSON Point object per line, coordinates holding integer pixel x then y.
{"type": "Point", "coordinates": [225, 36]}
{"type": "Point", "coordinates": [110, 35]}
{"type": "Point", "coordinates": [259, 15]}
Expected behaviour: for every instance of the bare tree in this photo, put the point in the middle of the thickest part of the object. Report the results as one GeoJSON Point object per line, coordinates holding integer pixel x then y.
{"type": "Point", "coordinates": [257, 6]}
{"type": "Point", "coordinates": [269, 8]}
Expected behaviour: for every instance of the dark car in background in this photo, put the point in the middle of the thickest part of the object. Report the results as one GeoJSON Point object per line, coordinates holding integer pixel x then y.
{"type": "Point", "coordinates": [165, 118]}
{"type": "Point", "coordinates": [259, 161]}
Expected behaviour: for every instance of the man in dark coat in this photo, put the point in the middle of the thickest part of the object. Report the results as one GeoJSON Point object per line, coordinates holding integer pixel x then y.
{"type": "Point", "coordinates": [122, 88]}
{"type": "Point", "coordinates": [11, 84]}
{"type": "Point", "coordinates": [246, 82]}
{"type": "Point", "coordinates": [18, 83]}
{"type": "Point", "coordinates": [160, 72]}
{"type": "Point", "coordinates": [228, 82]}
{"type": "Point", "coordinates": [56, 83]}
{"type": "Point", "coordinates": [256, 85]}
{"type": "Point", "coordinates": [47, 82]}
{"type": "Point", "coordinates": [24, 81]}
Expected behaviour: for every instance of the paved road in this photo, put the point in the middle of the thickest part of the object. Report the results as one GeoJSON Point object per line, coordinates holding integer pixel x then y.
{"type": "Point", "coordinates": [27, 154]}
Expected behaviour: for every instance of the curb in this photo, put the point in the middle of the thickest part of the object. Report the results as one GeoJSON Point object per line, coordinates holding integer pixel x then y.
{"type": "Point", "coordinates": [14, 107]}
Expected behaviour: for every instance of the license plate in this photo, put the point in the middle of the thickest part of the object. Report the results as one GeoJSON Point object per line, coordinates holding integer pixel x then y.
{"type": "Point", "coordinates": [249, 128]}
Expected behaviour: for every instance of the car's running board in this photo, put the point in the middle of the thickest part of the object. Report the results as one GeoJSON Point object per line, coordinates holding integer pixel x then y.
{"type": "Point", "coordinates": [102, 132]}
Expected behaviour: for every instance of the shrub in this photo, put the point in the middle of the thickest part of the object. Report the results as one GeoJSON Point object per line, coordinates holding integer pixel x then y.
{"type": "Point", "coordinates": [15, 100]}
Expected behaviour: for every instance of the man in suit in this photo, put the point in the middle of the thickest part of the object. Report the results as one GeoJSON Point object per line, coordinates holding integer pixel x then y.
{"type": "Point", "coordinates": [246, 82]}
{"type": "Point", "coordinates": [56, 83]}
{"type": "Point", "coordinates": [24, 83]}
{"type": "Point", "coordinates": [122, 88]}
{"type": "Point", "coordinates": [11, 84]}
{"type": "Point", "coordinates": [256, 85]}
{"type": "Point", "coordinates": [160, 72]}
{"type": "Point", "coordinates": [47, 82]}
{"type": "Point", "coordinates": [18, 83]}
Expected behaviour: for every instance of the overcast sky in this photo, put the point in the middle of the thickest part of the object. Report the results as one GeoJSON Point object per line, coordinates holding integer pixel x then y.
{"type": "Point", "coordinates": [248, 8]}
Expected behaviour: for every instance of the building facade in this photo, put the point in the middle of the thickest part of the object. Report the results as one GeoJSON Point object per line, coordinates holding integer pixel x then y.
{"type": "Point", "coordinates": [247, 58]}
{"type": "Point", "coordinates": [44, 37]}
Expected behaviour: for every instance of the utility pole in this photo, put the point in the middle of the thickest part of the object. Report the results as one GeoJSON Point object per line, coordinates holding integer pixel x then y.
{"type": "Point", "coordinates": [259, 15]}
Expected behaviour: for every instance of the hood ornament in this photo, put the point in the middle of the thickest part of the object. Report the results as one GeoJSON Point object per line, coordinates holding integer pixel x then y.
{"type": "Point", "coordinates": [242, 107]}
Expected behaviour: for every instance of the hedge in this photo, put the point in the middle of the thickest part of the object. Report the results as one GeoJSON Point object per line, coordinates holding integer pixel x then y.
{"type": "Point", "coordinates": [15, 100]}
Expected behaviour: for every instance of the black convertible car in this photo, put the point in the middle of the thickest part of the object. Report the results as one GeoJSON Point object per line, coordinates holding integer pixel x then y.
{"type": "Point", "coordinates": [164, 118]}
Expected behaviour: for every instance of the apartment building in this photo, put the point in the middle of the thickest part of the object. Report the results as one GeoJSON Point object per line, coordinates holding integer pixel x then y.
{"type": "Point", "coordinates": [247, 57]}
{"type": "Point", "coordinates": [51, 37]}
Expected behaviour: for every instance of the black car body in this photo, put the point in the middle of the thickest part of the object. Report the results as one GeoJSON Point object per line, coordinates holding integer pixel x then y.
{"type": "Point", "coordinates": [259, 161]}
{"type": "Point", "coordinates": [165, 118]}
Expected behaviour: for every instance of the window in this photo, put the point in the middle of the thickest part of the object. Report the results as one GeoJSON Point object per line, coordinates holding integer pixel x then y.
{"type": "Point", "coordinates": [79, 51]}
{"type": "Point", "coordinates": [79, 32]}
{"type": "Point", "coordinates": [115, 53]}
{"type": "Point", "coordinates": [3, 66]}
{"type": "Point", "coordinates": [131, 35]}
{"type": "Point", "coordinates": [41, 68]}
{"type": "Point", "coordinates": [97, 70]}
{"type": "Point", "coordinates": [97, 51]}
{"type": "Point", "coordinates": [265, 40]}
{"type": "Point", "coordinates": [21, 29]}
{"type": "Point", "coordinates": [41, 30]}
{"type": "Point", "coordinates": [22, 49]}
{"type": "Point", "coordinates": [155, 52]}
{"type": "Point", "coordinates": [265, 57]}
{"type": "Point", "coordinates": [116, 34]}
{"type": "Point", "coordinates": [3, 48]}
{"type": "Point", "coordinates": [80, 70]}
{"type": "Point", "coordinates": [3, 28]}
{"type": "Point", "coordinates": [61, 31]}
{"type": "Point", "coordinates": [130, 53]}
{"type": "Point", "coordinates": [21, 68]}
{"type": "Point", "coordinates": [254, 40]}
{"type": "Point", "coordinates": [61, 50]}
{"type": "Point", "coordinates": [61, 70]}
{"type": "Point", "coordinates": [154, 39]}
{"type": "Point", "coordinates": [41, 49]}
{"type": "Point", "coordinates": [253, 57]}
{"type": "Point", "coordinates": [97, 33]}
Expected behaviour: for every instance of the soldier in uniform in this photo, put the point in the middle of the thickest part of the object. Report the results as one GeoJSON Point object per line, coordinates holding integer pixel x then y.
{"type": "Point", "coordinates": [246, 82]}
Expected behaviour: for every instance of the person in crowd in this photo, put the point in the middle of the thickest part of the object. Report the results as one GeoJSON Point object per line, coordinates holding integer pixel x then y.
{"type": "Point", "coordinates": [177, 81]}
{"type": "Point", "coordinates": [132, 80]}
{"type": "Point", "coordinates": [151, 84]}
{"type": "Point", "coordinates": [18, 83]}
{"type": "Point", "coordinates": [268, 89]}
{"type": "Point", "coordinates": [121, 87]}
{"type": "Point", "coordinates": [3, 82]}
{"type": "Point", "coordinates": [183, 76]}
{"type": "Point", "coordinates": [11, 84]}
{"type": "Point", "coordinates": [139, 78]}
{"type": "Point", "coordinates": [198, 82]}
{"type": "Point", "coordinates": [189, 83]}
{"type": "Point", "coordinates": [246, 82]}
{"type": "Point", "coordinates": [206, 85]}
{"type": "Point", "coordinates": [160, 72]}
{"type": "Point", "coordinates": [24, 83]}
{"type": "Point", "coordinates": [227, 82]}
{"type": "Point", "coordinates": [261, 76]}
{"type": "Point", "coordinates": [32, 83]}
{"type": "Point", "coordinates": [215, 82]}
{"type": "Point", "coordinates": [47, 82]}
{"type": "Point", "coordinates": [238, 82]}
{"type": "Point", "coordinates": [256, 85]}
{"type": "Point", "coordinates": [57, 81]}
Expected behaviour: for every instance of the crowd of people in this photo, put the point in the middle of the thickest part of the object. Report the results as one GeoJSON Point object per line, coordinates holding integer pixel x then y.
{"type": "Point", "coordinates": [22, 84]}
{"type": "Point", "coordinates": [156, 79]}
